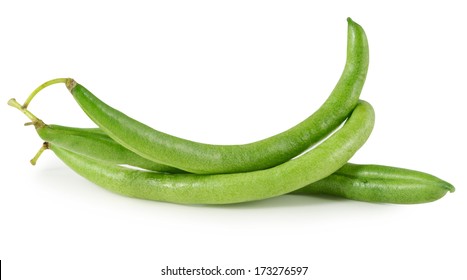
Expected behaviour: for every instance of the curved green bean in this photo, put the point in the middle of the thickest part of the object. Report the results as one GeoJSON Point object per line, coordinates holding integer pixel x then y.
{"type": "Point", "coordinates": [313, 165]}
{"type": "Point", "coordinates": [204, 158]}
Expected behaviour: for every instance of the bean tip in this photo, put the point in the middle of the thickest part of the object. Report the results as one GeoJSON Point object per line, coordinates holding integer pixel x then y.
{"type": "Point", "coordinates": [450, 187]}
{"type": "Point", "coordinates": [12, 102]}
{"type": "Point", "coordinates": [44, 147]}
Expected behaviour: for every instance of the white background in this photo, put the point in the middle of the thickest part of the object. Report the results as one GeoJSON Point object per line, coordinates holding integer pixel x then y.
{"type": "Point", "coordinates": [232, 72]}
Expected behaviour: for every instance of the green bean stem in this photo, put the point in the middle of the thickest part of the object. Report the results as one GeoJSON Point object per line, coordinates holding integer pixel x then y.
{"type": "Point", "coordinates": [41, 87]}
{"type": "Point", "coordinates": [34, 120]}
{"type": "Point", "coordinates": [44, 147]}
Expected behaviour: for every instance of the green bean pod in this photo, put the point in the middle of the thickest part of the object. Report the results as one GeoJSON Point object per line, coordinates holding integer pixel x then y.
{"type": "Point", "coordinates": [382, 184]}
{"type": "Point", "coordinates": [362, 182]}
{"type": "Point", "coordinates": [205, 158]}
{"type": "Point", "coordinates": [311, 166]}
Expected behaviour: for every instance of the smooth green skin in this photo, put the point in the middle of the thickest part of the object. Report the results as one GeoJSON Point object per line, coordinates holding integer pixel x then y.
{"type": "Point", "coordinates": [204, 158]}
{"type": "Point", "coordinates": [94, 143]}
{"type": "Point", "coordinates": [310, 167]}
{"type": "Point", "coordinates": [383, 184]}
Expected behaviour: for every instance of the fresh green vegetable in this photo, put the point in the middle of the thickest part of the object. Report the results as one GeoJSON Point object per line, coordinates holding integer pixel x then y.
{"type": "Point", "coordinates": [238, 173]}
{"type": "Point", "coordinates": [312, 166]}
{"type": "Point", "coordinates": [364, 182]}
{"type": "Point", "coordinates": [204, 158]}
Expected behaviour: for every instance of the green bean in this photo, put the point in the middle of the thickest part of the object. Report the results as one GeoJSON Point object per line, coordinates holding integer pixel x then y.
{"type": "Point", "coordinates": [316, 164]}
{"type": "Point", "coordinates": [379, 183]}
{"type": "Point", "coordinates": [371, 183]}
{"type": "Point", "coordinates": [91, 142]}
{"type": "Point", "coordinates": [204, 158]}
{"type": "Point", "coordinates": [362, 182]}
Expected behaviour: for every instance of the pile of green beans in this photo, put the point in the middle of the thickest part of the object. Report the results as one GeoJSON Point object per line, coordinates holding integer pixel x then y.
{"type": "Point", "coordinates": [130, 158]}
